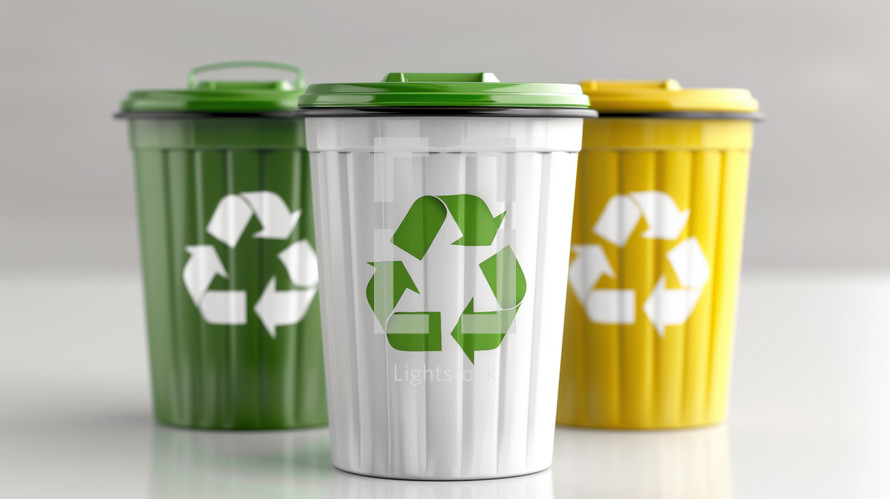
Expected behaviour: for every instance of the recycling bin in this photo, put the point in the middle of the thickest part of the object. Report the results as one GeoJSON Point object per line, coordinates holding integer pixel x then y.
{"type": "Point", "coordinates": [443, 209]}
{"type": "Point", "coordinates": [227, 239]}
{"type": "Point", "coordinates": [656, 253]}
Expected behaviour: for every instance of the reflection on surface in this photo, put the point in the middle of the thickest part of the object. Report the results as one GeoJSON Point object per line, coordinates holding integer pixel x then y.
{"type": "Point", "coordinates": [267, 464]}
{"type": "Point", "coordinates": [295, 464]}
{"type": "Point", "coordinates": [535, 486]}
{"type": "Point", "coordinates": [647, 464]}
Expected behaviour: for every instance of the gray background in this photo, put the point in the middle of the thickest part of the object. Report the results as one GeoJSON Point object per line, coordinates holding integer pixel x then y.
{"type": "Point", "coordinates": [820, 168]}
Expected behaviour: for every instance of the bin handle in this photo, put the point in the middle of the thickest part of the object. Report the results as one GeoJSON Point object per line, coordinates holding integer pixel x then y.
{"type": "Point", "coordinates": [299, 80]}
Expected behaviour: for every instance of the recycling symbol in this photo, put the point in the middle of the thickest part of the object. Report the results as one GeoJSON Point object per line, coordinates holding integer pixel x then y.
{"type": "Point", "coordinates": [476, 330]}
{"type": "Point", "coordinates": [227, 224]}
{"type": "Point", "coordinates": [616, 224]}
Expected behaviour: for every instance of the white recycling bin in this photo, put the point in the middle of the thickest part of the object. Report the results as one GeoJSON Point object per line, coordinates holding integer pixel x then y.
{"type": "Point", "coordinates": [443, 214]}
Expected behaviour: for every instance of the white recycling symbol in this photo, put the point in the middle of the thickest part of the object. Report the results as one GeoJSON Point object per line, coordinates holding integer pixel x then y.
{"type": "Point", "coordinates": [617, 222]}
{"type": "Point", "coordinates": [227, 224]}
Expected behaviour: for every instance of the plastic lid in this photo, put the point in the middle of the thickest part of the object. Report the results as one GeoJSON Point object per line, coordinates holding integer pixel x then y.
{"type": "Point", "coordinates": [610, 96]}
{"type": "Point", "coordinates": [223, 96]}
{"type": "Point", "coordinates": [443, 90]}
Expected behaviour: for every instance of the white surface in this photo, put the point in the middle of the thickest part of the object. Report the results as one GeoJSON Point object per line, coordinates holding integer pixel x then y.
{"type": "Point", "coordinates": [810, 414]}
{"type": "Point", "coordinates": [494, 416]}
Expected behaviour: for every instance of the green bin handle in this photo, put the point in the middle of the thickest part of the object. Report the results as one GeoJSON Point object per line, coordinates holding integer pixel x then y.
{"type": "Point", "coordinates": [299, 81]}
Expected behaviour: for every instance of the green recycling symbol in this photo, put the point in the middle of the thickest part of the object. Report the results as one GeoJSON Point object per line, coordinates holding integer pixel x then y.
{"type": "Point", "coordinates": [422, 331]}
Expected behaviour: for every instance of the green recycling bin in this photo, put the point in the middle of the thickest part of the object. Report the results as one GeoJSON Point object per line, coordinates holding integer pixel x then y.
{"type": "Point", "coordinates": [228, 252]}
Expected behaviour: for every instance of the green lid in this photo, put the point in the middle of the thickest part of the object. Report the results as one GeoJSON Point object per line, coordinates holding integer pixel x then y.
{"type": "Point", "coordinates": [222, 96]}
{"type": "Point", "coordinates": [444, 90]}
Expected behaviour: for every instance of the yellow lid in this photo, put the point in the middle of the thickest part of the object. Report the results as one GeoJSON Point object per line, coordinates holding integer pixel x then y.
{"type": "Point", "coordinates": [636, 97]}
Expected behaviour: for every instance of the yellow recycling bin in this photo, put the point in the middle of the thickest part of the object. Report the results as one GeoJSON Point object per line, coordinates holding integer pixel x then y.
{"type": "Point", "coordinates": [656, 252]}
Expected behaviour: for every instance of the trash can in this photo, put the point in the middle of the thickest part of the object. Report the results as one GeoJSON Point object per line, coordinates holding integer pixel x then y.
{"type": "Point", "coordinates": [443, 208]}
{"type": "Point", "coordinates": [229, 266]}
{"type": "Point", "coordinates": [656, 252]}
